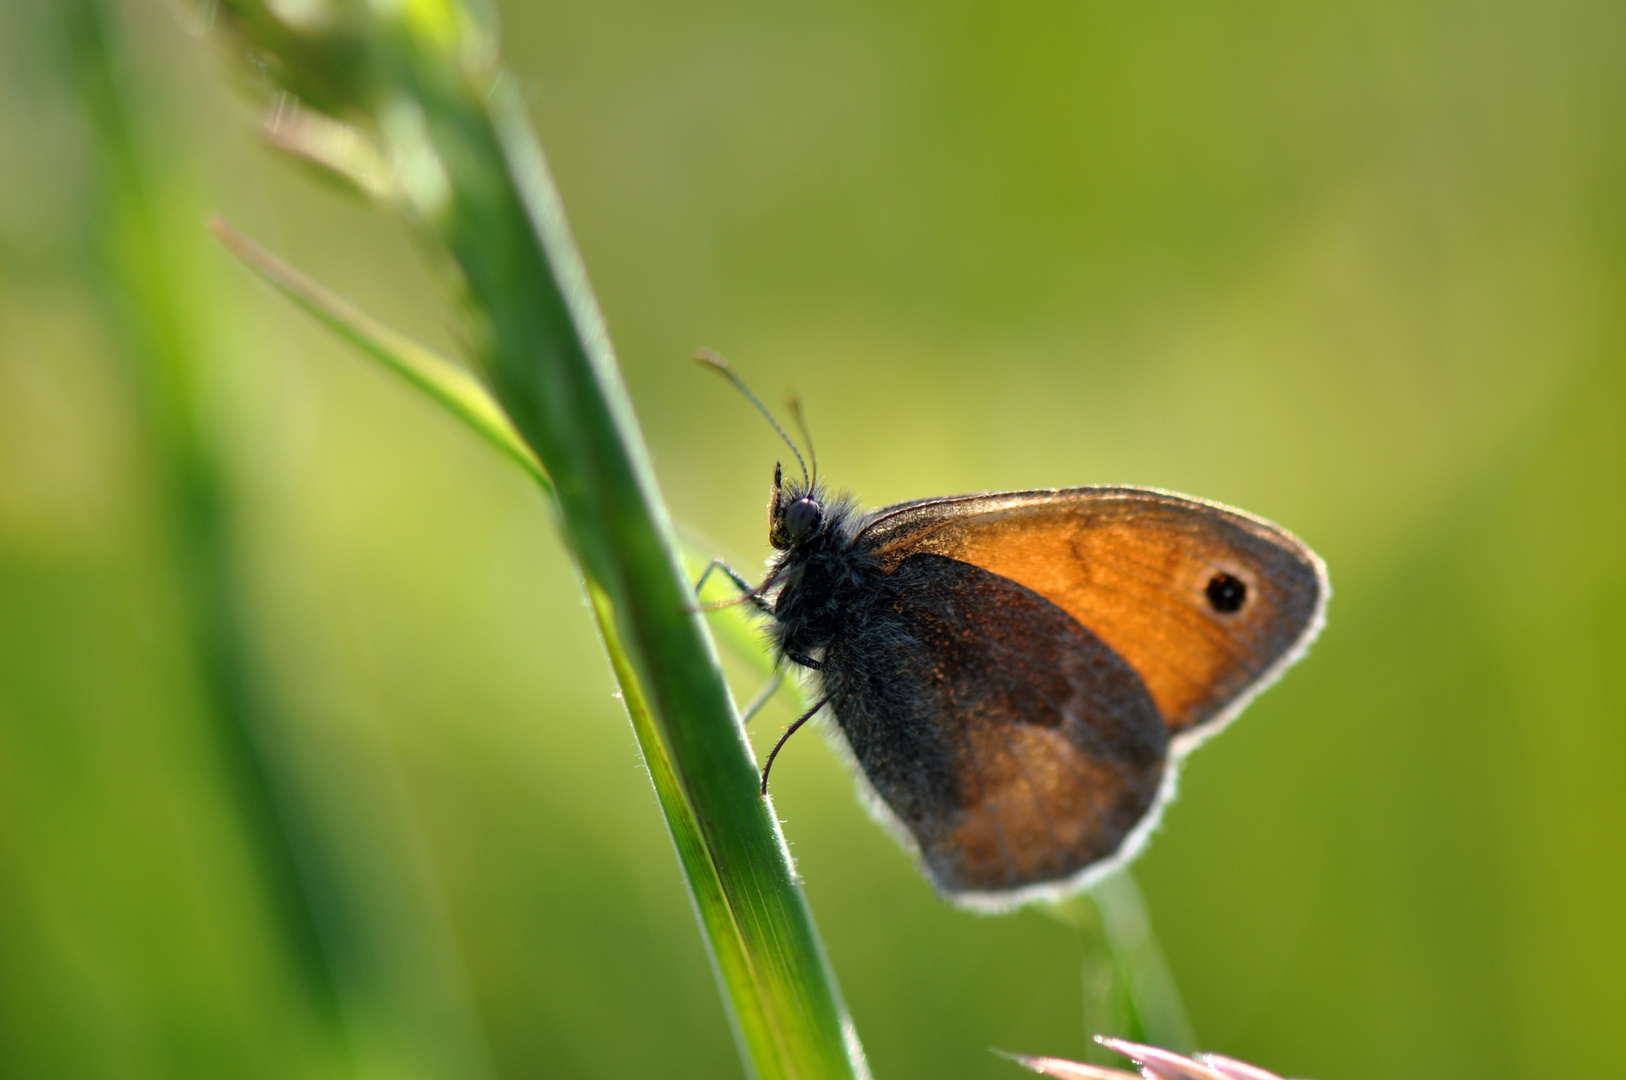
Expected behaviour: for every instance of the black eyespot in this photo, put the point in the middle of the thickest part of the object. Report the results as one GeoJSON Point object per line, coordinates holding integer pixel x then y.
{"type": "Point", "coordinates": [1226, 593]}
{"type": "Point", "coordinates": [801, 518]}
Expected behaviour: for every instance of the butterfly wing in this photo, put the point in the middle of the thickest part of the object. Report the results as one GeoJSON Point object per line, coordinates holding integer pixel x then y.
{"type": "Point", "coordinates": [1036, 661]}
{"type": "Point", "coordinates": [1207, 604]}
{"type": "Point", "coordinates": [1012, 746]}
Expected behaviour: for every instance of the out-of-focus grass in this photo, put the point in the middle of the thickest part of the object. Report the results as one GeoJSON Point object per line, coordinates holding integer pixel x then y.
{"type": "Point", "coordinates": [161, 330]}
{"type": "Point", "coordinates": [421, 85]}
{"type": "Point", "coordinates": [1128, 989]}
{"type": "Point", "coordinates": [1356, 266]}
{"type": "Point", "coordinates": [365, 938]}
{"type": "Point", "coordinates": [453, 388]}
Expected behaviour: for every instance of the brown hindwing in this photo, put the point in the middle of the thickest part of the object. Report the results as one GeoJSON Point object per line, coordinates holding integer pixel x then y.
{"type": "Point", "coordinates": [1015, 747]}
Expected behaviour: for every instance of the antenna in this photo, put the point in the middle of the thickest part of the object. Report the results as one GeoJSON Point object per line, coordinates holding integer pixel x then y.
{"type": "Point", "coordinates": [721, 366]}
{"type": "Point", "coordinates": [795, 406]}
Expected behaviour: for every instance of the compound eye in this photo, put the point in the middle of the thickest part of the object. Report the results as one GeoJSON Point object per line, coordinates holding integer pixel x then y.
{"type": "Point", "coordinates": [801, 518]}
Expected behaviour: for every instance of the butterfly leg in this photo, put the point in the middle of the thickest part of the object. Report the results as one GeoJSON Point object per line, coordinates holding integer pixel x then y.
{"type": "Point", "coordinates": [762, 697]}
{"type": "Point", "coordinates": [748, 591]}
{"type": "Point", "coordinates": [800, 720]}
{"type": "Point", "coordinates": [805, 660]}
{"type": "Point", "coordinates": [728, 571]}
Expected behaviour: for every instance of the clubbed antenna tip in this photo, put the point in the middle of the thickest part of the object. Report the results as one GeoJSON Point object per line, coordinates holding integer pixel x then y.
{"type": "Point", "coordinates": [795, 406]}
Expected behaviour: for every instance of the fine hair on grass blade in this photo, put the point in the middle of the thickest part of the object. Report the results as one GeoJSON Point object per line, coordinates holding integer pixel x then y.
{"type": "Point", "coordinates": [420, 82]}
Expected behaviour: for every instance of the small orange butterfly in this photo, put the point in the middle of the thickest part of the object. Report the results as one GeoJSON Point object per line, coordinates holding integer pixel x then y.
{"type": "Point", "coordinates": [1017, 675]}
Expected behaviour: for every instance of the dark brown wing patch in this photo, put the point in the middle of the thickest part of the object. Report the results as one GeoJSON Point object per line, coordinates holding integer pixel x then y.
{"type": "Point", "coordinates": [1013, 745]}
{"type": "Point", "coordinates": [1203, 602]}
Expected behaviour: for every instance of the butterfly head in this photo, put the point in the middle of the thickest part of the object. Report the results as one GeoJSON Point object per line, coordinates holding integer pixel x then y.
{"type": "Point", "coordinates": [795, 512]}
{"type": "Point", "coordinates": [798, 513]}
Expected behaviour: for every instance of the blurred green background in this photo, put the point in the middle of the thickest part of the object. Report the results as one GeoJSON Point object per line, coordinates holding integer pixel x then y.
{"type": "Point", "coordinates": [1357, 267]}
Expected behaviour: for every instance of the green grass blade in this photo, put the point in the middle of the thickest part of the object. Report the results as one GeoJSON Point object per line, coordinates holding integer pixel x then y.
{"type": "Point", "coordinates": [1159, 1014]}
{"type": "Point", "coordinates": [162, 333]}
{"type": "Point", "coordinates": [463, 396]}
{"type": "Point", "coordinates": [375, 958]}
{"type": "Point", "coordinates": [419, 78]}
{"type": "Point", "coordinates": [442, 380]}
{"type": "Point", "coordinates": [1129, 992]}
{"type": "Point", "coordinates": [549, 362]}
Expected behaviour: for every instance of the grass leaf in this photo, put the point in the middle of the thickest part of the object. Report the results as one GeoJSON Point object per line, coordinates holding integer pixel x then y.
{"type": "Point", "coordinates": [420, 81]}
{"type": "Point", "coordinates": [445, 382]}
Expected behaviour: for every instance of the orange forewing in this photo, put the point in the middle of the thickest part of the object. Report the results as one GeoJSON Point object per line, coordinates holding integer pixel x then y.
{"type": "Point", "coordinates": [1132, 565]}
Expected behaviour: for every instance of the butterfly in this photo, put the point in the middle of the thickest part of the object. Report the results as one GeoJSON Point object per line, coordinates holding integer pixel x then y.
{"type": "Point", "coordinates": [1016, 675]}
